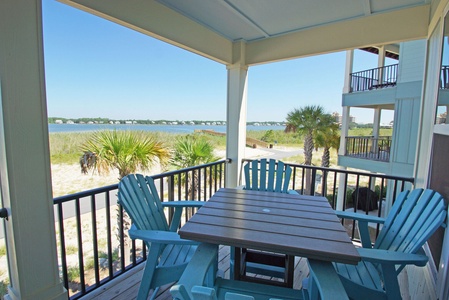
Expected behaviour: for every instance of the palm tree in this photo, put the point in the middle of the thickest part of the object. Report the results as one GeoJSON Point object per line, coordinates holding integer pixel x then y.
{"type": "Point", "coordinates": [306, 121]}
{"type": "Point", "coordinates": [125, 151]}
{"type": "Point", "coordinates": [328, 137]}
{"type": "Point", "coordinates": [190, 151]}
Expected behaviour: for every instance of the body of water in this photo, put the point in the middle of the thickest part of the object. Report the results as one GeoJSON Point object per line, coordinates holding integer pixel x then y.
{"type": "Point", "coordinates": [53, 128]}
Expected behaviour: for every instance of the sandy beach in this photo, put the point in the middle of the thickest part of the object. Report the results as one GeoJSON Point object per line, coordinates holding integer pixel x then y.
{"type": "Point", "coordinates": [68, 179]}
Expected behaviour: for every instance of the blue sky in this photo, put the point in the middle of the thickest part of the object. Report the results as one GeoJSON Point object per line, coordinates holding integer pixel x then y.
{"type": "Point", "coordinates": [96, 68]}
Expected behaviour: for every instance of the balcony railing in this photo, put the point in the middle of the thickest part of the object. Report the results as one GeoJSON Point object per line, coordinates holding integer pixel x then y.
{"type": "Point", "coordinates": [91, 242]}
{"type": "Point", "coordinates": [376, 78]}
{"type": "Point", "coordinates": [91, 235]}
{"type": "Point", "coordinates": [368, 147]}
{"type": "Point", "coordinates": [444, 77]}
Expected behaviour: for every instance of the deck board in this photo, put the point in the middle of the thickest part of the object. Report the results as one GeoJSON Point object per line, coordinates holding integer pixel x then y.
{"type": "Point", "coordinates": [127, 285]}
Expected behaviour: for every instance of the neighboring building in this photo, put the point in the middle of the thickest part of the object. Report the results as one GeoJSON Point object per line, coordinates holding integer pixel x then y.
{"type": "Point", "coordinates": [395, 87]}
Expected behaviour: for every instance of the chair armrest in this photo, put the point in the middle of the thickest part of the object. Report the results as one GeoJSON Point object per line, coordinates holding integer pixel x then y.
{"type": "Point", "coordinates": [363, 221]}
{"type": "Point", "coordinates": [195, 273]}
{"type": "Point", "coordinates": [183, 203]}
{"type": "Point", "coordinates": [325, 283]}
{"type": "Point", "coordinates": [157, 236]}
{"type": "Point", "coordinates": [359, 217]}
{"type": "Point", "coordinates": [179, 206]}
{"type": "Point", "coordinates": [392, 257]}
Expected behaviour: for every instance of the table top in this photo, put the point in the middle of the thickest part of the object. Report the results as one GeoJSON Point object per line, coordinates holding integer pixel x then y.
{"type": "Point", "coordinates": [297, 225]}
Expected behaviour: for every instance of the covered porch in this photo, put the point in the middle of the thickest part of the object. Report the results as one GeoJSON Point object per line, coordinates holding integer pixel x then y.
{"type": "Point", "coordinates": [91, 252]}
{"type": "Point", "coordinates": [236, 35]}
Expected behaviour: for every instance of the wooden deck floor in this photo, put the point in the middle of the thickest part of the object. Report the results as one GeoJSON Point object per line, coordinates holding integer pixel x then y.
{"type": "Point", "coordinates": [127, 285]}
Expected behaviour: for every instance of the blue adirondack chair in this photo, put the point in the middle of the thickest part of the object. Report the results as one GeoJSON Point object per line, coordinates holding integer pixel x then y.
{"type": "Point", "coordinates": [269, 176]}
{"type": "Point", "coordinates": [200, 283]}
{"type": "Point", "coordinates": [413, 218]}
{"type": "Point", "coordinates": [168, 253]}
{"type": "Point", "coordinates": [275, 178]}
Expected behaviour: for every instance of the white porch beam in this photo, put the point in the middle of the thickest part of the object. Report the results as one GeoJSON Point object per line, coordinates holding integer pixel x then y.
{"type": "Point", "coordinates": [376, 29]}
{"type": "Point", "coordinates": [25, 157]}
{"type": "Point", "coordinates": [236, 114]}
{"type": "Point", "coordinates": [158, 21]}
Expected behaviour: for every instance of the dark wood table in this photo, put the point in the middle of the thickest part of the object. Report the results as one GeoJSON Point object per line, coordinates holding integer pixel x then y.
{"type": "Point", "coordinates": [297, 225]}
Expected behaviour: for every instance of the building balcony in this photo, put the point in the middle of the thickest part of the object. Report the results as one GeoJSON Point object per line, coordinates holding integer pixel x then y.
{"type": "Point", "coordinates": [368, 147]}
{"type": "Point", "coordinates": [91, 235]}
{"type": "Point", "coordinates": [373, 79]}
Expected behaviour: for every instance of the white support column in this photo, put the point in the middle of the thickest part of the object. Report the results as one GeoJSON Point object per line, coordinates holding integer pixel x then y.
{"type": "Point", "coordinates": [341, 151]}
{"type": "Point", "coordinates": [25, 157]}
{"type": "Point", "coordinates": [236, 114]}
{"type": "Point", "coordinates": [348, 70]}
{"type": "Point", "coordinates": [376, 130]}
{"type": "Point", "coordinates": [381, 63]}
{"type": "Point", "coordinates": [346, 118]}
{"type": "Point", "coordinates": [376, 122]}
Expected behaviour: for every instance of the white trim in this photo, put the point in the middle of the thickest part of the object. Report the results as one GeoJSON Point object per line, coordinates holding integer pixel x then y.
{"type": "Point", "coordinates": [442, 129]}
{"type": "Point", "coordinates": [442, 279]}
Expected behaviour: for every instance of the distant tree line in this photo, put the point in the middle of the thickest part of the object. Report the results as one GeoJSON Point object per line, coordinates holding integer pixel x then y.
{"type": "Point", "coordinates": [56, 120]}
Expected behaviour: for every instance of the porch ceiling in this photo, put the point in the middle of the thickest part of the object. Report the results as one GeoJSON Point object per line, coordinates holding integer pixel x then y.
{"type": "Point", "coordinates": [271, 30]}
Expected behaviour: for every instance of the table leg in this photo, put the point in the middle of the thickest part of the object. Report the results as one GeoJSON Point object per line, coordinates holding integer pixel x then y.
{"type": "Point", "coordinates": [289, 270]}
{"type": "Point", "coordinates": [237, 263]}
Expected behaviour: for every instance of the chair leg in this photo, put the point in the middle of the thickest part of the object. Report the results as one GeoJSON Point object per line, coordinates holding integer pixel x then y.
{"type": "Point", "coordinates": [148, 273]}
{"type": "Point", "coordinates": [156, 290]}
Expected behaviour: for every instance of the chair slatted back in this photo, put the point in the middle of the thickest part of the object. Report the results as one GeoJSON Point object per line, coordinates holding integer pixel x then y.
{"type": "Point", "coordinates": [139, 198]}
{"type": "Point", "coordinates": [411, 221]}
{"type": "Point", "coordinates": [277, 180]}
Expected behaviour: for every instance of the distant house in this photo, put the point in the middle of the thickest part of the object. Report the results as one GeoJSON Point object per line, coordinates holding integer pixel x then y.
{"type": "Point", "coordinates": [59, 122]}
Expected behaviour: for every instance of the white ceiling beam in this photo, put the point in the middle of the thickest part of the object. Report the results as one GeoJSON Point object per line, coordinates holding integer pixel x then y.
{"type": "Point", "coordinates": [366, 7]}
{"type": "Point", "coordinates": [156, 20]}
{"type": "Point", "coordinates": [376, 29]}
{"type": "Point", "coordinates": [243, 17]}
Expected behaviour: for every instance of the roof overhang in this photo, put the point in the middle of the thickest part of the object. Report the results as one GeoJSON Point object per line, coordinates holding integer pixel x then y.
{"type": "Point", "coordinates": [215, 39]}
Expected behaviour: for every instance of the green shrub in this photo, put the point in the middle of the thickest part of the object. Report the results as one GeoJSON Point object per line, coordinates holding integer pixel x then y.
{"type": "Point", "coordinates": [73, 273]}
{"type": "Point", "coordinates": [377, 191]}
{"type": "Point", "coordinates": [2, 250]}
{"type": "Point", "coordinates": [4, 287]}
{"type": "Point", "coordinates": [69, 250]}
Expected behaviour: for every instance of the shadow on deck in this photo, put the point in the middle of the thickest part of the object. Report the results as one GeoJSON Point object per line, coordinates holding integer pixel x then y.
{"type": "Point", "coordinates": [127, 285]}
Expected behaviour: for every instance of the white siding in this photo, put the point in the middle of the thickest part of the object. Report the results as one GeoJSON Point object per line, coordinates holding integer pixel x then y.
{"type": "Point", "coordinates": [411, 61]}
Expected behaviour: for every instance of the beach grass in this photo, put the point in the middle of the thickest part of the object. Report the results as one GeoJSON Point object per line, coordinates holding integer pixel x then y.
{"type": "Point", "coordinates": [65, 147]}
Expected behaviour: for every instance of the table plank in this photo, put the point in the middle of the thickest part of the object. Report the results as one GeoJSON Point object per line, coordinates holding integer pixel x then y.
{"type": "Point", "coordinates": [291, 224]}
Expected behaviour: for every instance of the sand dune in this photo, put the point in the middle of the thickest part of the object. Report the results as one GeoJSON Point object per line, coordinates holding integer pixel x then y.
{"type": "Point", "coordinates": [68, 179]}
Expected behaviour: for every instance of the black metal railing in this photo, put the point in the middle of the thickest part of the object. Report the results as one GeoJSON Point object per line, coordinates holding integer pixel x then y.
{"type": "Point", "coordinates": [444, 77]}
{"type": "Point", "coordinates": [369, 147]}
{"type": "Point", "coordinates": [376, 78]}
{"type": "Point", "coordinates": [362, 192]}
{"type": "Point", "coordinates": [91, 235]}
{"type": "Point", "coordinates": [90, 228]}
{"type": "Point", "coordinates": [359, 191]}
